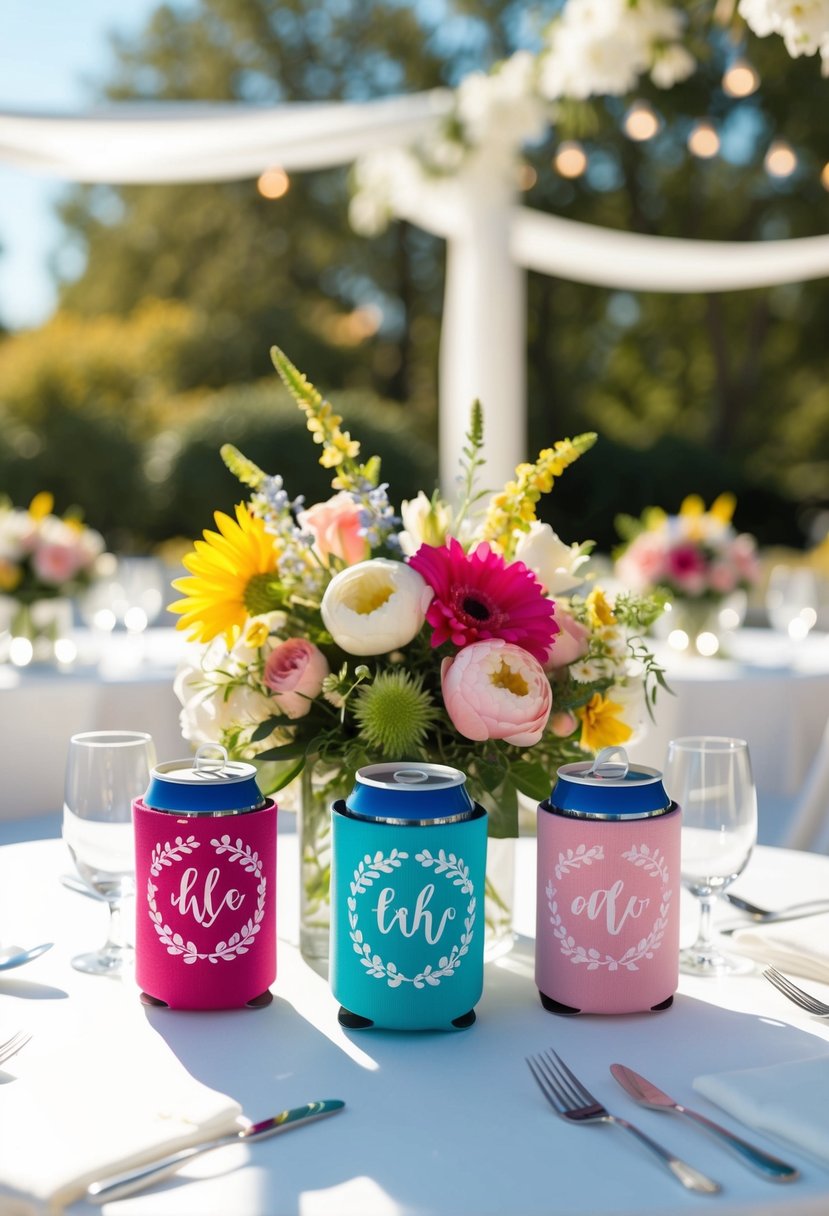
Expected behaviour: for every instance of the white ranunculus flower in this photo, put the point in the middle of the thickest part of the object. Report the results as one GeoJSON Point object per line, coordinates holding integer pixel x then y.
{"type": "Point", "coordinates": [375, 606]}
{"type": "Point", "coordinates": [554, 563]}
{"type": "Point", "coordinates": [424, 522]}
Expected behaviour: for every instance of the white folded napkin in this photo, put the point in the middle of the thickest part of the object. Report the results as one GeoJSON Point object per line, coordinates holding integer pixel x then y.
{"type": "Point", "coordinates": [786, 1100]}
{"type": "Point", "coordinates": [101, 1104]}
{"type": "Point", "coordinates": [799, 947]}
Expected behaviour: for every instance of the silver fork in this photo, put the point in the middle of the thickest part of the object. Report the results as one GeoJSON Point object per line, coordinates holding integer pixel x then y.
{"type": "Point", "coordinates": [13, 1045]}
{"type": "Point", "coordinates": [810, 1003]}
{"type": "Point", "coordinates": [569, 1099]}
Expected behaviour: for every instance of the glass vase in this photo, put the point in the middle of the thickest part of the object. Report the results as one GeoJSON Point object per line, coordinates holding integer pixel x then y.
{"type": "Point", "coordinates": [499, 896]}
{"type": "Point", "coordinates": [32, 630]}
{"type": "Point", "coordinates": [318, 789]}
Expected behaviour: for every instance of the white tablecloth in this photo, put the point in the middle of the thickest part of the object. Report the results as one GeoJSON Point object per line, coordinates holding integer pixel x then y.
{"type": "Point", "coordinates": [437, 1124]}
{"type": "Point", "coordinates": [118, 683]}
{"type": "Point", "coordinates": [770, 691]}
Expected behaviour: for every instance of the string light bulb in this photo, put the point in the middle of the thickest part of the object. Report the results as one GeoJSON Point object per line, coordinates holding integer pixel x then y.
{"type": "Point", "coordinates": [824, 176]}
{"type": "Point", "coordinates": [273, 183]}
{"type": "Point", "coordinates": [781, 160]}
{"type": "Point", "coordinates": [703, 141]}
{"type": "Point", "coordinates": [740, 79]}
{"type": "Point", "coordinates": [570, 159]}
{"type": "Point", "coordinates": [641, 122]}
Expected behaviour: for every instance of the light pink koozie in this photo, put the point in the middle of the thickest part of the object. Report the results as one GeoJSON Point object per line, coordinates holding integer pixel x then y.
{"type": "Point", "coordinates": [608, 890]}
{"type": "Point", "coordinates": [205, 887]}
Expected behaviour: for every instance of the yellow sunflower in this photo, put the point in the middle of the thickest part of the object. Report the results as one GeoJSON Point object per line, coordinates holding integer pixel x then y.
{"type": "Point", "coordinates": [230, 572]}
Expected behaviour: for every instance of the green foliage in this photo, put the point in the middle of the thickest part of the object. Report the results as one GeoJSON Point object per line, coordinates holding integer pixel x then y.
{"type": "Point", "coordinates": [689, 392]}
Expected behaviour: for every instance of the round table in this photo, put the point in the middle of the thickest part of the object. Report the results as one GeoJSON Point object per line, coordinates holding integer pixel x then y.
{"type": "Point", "coordinates": [436, 1124]}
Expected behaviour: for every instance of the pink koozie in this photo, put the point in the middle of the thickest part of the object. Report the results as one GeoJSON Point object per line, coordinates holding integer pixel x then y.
{"type": "Point", "coordinates": [607, 926]}
{"type": "Point", "coordinates": [205, 906]}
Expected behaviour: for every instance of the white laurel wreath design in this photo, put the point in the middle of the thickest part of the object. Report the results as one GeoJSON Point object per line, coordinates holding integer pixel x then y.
{"type": "Point", "coordinates": [581, 857]}
{"type": "Point", "coordinates": [239, 942]}
{"type": "Point", "coordinates": [367, 871]}
{"type": "Point", "coordinates": [655, 865]}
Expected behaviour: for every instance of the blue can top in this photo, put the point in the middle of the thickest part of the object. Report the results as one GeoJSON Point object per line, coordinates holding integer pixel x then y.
{"type": "Point", "coordinates": [606, 789]}
{"type": "Point", "coordinates": [409, 792]}
{"type": "Point", "coordinates": [207, 785]}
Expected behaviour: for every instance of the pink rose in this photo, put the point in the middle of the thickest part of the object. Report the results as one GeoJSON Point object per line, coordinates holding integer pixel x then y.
{"type": "Point", "coordinates": [563, 724]}
{"type": "Point", "coordinates": [294, 672]}
{"type": "Point", "coordinates": [569, 644]}
{"type": "Point", "coordinates": [336, 529]}
{"type": "Point", "coordinates": [642, 565]}
{"type": "Point", "coordinates": [496, 690]}
{"type": "Point", "coordinates": [55, 563]}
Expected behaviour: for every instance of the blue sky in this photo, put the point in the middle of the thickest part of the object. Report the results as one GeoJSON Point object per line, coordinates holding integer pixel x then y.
{"type": "Point", "coordinates": [51, 53]}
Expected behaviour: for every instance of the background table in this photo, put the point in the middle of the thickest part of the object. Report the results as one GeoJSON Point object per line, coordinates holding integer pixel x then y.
{"type": "Point", "coordinates": [437, 1124]}
{"type": "Point", "coordinates": [768, 690]}
{"type": "Point", "coordinates": [118, 683]}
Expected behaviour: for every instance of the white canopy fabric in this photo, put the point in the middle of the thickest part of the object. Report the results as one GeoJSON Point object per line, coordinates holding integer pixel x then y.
{"type": "Point", "coordinates": [204, 141]}
{"type": "Point", "coordinates": [491, 241]}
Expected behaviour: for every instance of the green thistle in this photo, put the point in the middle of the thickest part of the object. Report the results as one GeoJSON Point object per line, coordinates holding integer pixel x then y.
{"type": "Point", "coordinates": [394, 714]}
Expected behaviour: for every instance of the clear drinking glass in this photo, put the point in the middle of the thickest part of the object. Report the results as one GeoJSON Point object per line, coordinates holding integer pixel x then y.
{"type": "Point", "coordinates": [105, 770]}
{"type": "Point", "coordinates": [710, 777]}
{"type": "Point", "coordinates": [792, 600]}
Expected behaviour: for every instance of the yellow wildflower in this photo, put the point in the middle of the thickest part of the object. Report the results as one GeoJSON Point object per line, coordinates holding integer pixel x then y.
{"type": "Point", "coordinates": [599, 610]}
{"type": "Point", "coordinates": [600, 724]}
{"type": "Point", "coordinates": [257, 634]}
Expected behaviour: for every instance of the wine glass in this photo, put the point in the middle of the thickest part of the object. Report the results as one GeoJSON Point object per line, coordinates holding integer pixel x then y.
{"type": "Point", "coordinates": [105, 770]}
{"type": "Point", "coordinates": [792, 600]}
{"type": "Point", "coordinates": [710, 777]}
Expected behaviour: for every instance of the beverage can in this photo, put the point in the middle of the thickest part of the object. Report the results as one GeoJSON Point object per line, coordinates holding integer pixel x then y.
{"type": "Point", "coordinates": [206, 785]}
{"type": "Point", "coordinates": [608, 788]}
{"type": "Point", "coordinates": [410, 794]}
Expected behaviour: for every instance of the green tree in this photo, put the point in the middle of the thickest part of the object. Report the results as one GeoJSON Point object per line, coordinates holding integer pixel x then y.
{"type": "Point", "coordinates": [742, 375]}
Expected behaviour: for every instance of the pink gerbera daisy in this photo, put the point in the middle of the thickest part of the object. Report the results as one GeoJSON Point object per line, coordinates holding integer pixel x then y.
{"type": "Point", "coordinates": [478, 596]}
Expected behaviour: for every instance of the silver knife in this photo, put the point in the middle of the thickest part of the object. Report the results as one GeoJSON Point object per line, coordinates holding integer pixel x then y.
{"type": "Point", "coordinates": [647, 1094]}
{"type": "Point", "coordinates": [143, 1176]}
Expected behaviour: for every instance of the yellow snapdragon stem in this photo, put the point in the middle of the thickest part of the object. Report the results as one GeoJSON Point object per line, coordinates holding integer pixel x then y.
{"type": "Point", "coordinates": [513, 509]}
{"type": "Point", "coordinates": [41, 505]}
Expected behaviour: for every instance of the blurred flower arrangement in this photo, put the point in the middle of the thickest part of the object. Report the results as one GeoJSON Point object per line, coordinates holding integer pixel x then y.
{"type": "Point", "coordinates": [45, 559]}
{"type": "Point", "coordinates": [343, 634]}
{"type": "Point", "coordinates": [694, 555]}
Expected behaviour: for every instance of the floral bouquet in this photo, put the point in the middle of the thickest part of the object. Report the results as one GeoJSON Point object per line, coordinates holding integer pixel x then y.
{"type": "Point", "coordinates": [340, 634]}
{"type": "Point", "coordinates": [43, 557]}
{"type": "Point", "coordinates": [694, 555]}
{"type": "Point", "coordinates": [696, 558]}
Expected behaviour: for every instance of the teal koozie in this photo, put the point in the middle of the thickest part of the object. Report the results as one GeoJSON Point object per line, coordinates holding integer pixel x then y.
{"type": "Point", "coordinates": [407, 919]}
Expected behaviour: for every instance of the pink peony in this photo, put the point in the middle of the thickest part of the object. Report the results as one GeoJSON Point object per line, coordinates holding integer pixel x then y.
{"type": "Point", "coordinates": [494, 690]}
{"type": "Point", "coordinates": [563, 724]}
{"type": "Point", "coordinates": [479, 596]}
{"type": "Point", "coordinates": [570, 643]}
{"type": "Point", "coordinates": [336, 528]}
{"type": "Point", "coordinates": [294, 672]}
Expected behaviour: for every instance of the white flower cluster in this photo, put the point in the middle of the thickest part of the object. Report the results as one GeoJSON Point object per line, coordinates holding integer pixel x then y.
{"type": "Point", "coordinates": [802, 24]}
{"type": "Point", "coordinates": [603, 46]}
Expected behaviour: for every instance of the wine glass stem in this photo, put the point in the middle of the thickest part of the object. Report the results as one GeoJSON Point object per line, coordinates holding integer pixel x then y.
{"type": "Point", "coordinates": [116, 943]}
{"type": "Point", "coordinates": [704, 944]}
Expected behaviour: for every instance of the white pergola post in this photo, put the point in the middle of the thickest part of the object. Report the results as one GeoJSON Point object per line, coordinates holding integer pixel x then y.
{"type": "Point", "coordinates": [483, 337]}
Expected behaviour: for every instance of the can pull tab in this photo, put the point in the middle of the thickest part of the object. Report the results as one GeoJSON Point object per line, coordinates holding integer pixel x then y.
{"type": "Point", "coordinates": [604, 767]}
{"type": "Point", "coordinates": [205, 763]}
{"type": "Point", "coordinates": [410, 776]}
